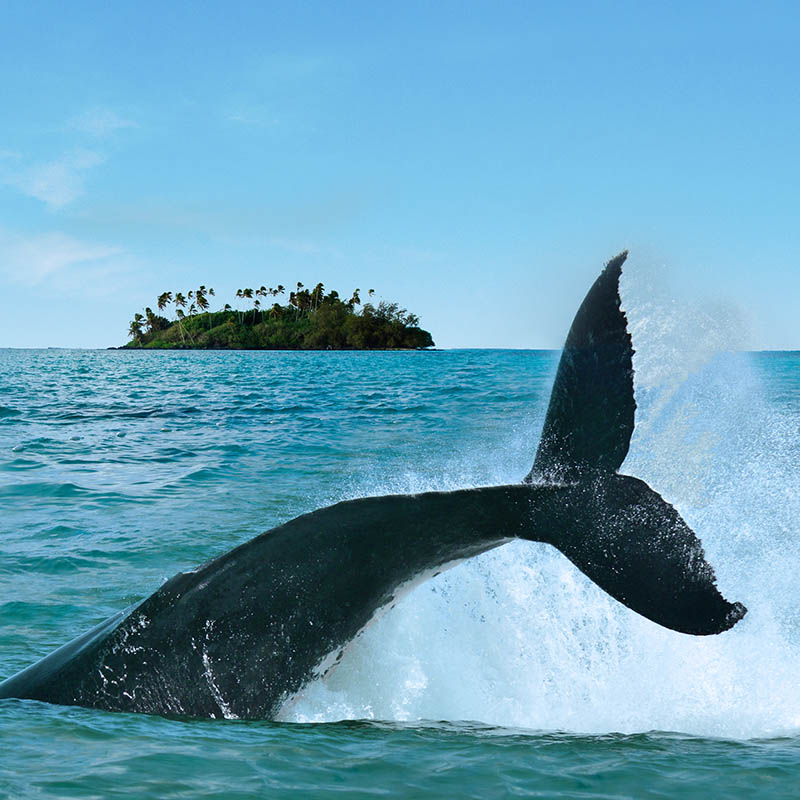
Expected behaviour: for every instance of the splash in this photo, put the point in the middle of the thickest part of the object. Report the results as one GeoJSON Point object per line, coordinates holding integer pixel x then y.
{"type": "Point", "coordinates": [519, 638]}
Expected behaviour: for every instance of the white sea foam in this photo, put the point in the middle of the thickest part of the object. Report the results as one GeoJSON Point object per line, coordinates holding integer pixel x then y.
{"type": "Point", "coordinates": [519, 637]}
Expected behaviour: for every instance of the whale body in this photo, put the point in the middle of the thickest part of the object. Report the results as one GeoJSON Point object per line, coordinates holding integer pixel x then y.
{"type": "Point", "coordinates": [239, 635]}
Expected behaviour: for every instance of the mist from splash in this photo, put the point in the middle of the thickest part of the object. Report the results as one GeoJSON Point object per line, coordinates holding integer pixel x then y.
{"type": "Point", "coordinates": [519, 637]}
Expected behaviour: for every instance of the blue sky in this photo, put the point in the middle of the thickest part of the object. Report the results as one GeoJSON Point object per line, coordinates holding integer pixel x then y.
{"type": "Point", "coordinates": [476, 162]}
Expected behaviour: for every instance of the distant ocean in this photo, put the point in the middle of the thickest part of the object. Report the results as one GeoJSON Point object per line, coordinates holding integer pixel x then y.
{"type": "Point", "coordinates": [510, 675]}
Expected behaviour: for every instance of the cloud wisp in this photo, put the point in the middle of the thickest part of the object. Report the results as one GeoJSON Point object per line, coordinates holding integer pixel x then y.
{"type": "Point", "coordinates": [253, 116]}
{"type": "Point", "coordinates": [61, 181]}
{"type": "Point", "coordinates": [56, 183]}
{"type": "Point", "coordinates": [35, 259]}
{"type": "Point", "coordinates": [101, 122]}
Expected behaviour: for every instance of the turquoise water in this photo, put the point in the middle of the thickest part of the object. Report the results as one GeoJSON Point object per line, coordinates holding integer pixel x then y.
{"type": "Point", "coordinates": [511, 674]}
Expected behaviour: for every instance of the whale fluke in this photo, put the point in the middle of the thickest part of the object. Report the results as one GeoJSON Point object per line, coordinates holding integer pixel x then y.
{"type": "Point", "coordinates": [239, 635]}
{"type": "Point", "coordinates": [635, 546]}
{"type": "Point", "coordinates": [616, 529]}
{"type": "Point", "coordinates": [589, 420]}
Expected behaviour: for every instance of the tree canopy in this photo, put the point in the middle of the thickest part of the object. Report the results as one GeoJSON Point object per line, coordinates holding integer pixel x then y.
{"type": "Point", "coordinates": [311, 320]}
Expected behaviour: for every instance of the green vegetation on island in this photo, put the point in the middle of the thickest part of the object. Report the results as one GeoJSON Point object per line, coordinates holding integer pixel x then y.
{"type": "Point", "coordinates": [311, 320]}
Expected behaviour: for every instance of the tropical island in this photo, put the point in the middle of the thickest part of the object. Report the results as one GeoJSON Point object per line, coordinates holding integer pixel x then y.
{"type": "Point", "coordinates": [311, 320]}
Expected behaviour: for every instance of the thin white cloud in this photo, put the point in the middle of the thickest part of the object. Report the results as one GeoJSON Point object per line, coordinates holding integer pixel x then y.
{"type": "Point", "coordinates": [253, 116]}
{"type": "Point", "coordinates": [31, 260]}
{"type": "Point", "coordinates": [56, 183]}
{"type": "Point", "coordinates": [101, 122]}
{"type": "Point", "coordinates": [59, 182]}
{"type": "Point", "coordinates": [302, 246]}
{"type": "Point", "coordinates": [285, 68]}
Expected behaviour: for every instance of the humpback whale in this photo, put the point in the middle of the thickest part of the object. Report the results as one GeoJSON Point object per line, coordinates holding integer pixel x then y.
{"type": "Point", "coordinates": [242, 633]}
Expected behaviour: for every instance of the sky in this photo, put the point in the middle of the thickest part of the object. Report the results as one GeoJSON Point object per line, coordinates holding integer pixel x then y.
{"type": "Point", "coordinates": [475, 162]}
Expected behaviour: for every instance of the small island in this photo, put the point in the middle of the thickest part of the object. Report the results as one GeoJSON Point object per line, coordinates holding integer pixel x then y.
{"type": "Point", "coordinates": [311, 320]}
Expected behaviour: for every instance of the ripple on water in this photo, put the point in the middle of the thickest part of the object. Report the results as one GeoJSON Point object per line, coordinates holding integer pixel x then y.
{"type": "Point", "coordinates": [41, 490]}
{"type": "Point", "coordinates": [20, 465]}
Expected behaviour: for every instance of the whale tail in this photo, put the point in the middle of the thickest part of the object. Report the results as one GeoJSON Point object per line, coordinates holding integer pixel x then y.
{"type": "Point", "coordinates": [615, 528]}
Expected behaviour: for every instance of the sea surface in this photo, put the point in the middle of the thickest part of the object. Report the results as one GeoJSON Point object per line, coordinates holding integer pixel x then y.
{"type": "Point", "coordinates": [510, 675]}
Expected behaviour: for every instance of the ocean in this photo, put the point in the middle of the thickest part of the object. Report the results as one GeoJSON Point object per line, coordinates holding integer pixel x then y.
{"type": "Point", "coordinates": [509, 675]}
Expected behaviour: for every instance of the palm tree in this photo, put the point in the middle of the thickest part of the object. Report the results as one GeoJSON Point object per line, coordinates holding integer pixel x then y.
{"type": "Point", "coordinates": [164, 299]}
{"type": "Point", "coordinates": [302, 298]}
{"type": "Point", "coordinates": [151, 319]}
{"type": "Point", "coordinates": [265, 292]}
{"type": "Point", "coordinates": [247, 294]}
{"type": "Point", "coordinates": [180, 315]}
{"type": "Point", "coordinates": [317, 295]}
{"type": "Point", "coordinates": [135, 329]}
{"type": "Point", "coordinates": [180, 304]}
{"type": "Point", "coordinates": [202, 303]}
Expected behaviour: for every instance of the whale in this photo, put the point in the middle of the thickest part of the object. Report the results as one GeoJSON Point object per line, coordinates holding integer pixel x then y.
{"type": "Point", "coordinates": [241, 634]}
